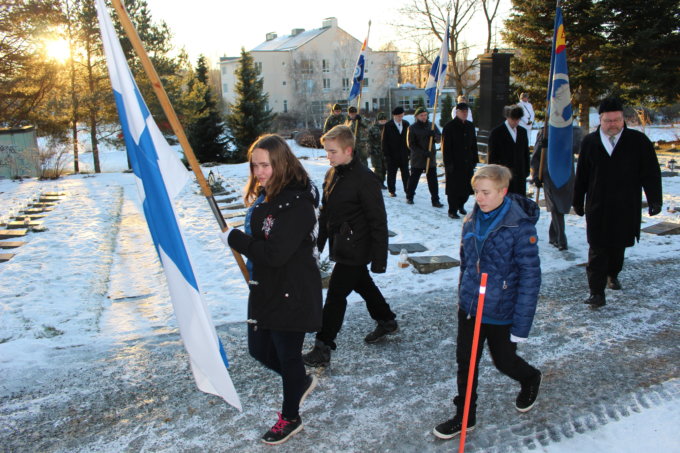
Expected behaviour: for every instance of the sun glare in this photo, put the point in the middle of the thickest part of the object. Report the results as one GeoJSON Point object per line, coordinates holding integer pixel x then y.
{"type": "Point", "coordinates": [58, 50]}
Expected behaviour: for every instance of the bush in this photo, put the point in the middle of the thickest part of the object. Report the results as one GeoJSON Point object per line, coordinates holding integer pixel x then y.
{"type": "Point", "coordinates": [309, 138]}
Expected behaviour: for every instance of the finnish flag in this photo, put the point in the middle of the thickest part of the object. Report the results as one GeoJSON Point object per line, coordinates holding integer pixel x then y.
{"type": "Point", "coordinates": [437, 77]}
{"type": "Point", "coordinates": [160, 176]}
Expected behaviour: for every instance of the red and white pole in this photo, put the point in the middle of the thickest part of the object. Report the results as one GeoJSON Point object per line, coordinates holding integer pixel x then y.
{"type": "Point", "coordinates": [473, 361]}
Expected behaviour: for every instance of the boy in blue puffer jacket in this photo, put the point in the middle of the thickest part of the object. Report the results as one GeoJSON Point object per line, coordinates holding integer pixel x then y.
{"type": "Point", "coordinates": [499, 238]}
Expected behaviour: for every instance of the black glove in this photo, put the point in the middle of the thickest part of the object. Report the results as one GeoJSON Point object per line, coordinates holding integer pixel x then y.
{"type": "Point", "coordinates": [654, 208]}
{"type": "Point", "coordinates": [358, 118]}
{"type": "Point", "coordinates": [579, 211]}
{"type": "Point", "coordinates": [378, 268]}
{"type": "Point", "coordinates": [431, 133]}
{"type": "Point", "coordinates": [537, 182]}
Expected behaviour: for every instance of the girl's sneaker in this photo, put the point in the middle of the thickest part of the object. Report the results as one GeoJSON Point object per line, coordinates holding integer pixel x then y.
{"type": "Point", "coordinates": [282, 430]}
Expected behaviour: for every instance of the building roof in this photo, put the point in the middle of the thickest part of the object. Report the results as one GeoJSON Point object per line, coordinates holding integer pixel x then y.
{"type": "Point", "coordinates": [288, 42]}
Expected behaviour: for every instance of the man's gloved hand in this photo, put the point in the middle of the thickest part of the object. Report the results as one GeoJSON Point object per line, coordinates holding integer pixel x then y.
{"type": "Point", "coordinates": [579, 211]}
{"type": "Point", "coordinates": [654, 208]}
{"type": "Point", "coordinates": [431, 133]}
{"type": "Point", "coordinates": [537, 182]}
{"type": "Point", "coordinates": [378, 268]}
{"type": "Point", "coordinates": [358, 118]}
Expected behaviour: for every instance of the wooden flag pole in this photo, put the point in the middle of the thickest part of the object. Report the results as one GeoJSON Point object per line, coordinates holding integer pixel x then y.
{"type": "Point", "coordinates": [473, 361]}
{"type": "Point", "coordinates": [169, 111]}
{"type": "Point", "coordinates": [434, 115]}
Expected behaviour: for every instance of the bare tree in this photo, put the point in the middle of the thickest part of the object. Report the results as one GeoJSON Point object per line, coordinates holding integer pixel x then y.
{"type": "Point", "coordinates": [427, 18]}
{"type": "Point", "coordinates": [490, 7]}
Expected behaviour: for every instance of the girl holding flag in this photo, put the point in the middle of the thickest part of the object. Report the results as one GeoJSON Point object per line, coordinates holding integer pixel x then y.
{"type": "Point", "coordinates": [285, 284]}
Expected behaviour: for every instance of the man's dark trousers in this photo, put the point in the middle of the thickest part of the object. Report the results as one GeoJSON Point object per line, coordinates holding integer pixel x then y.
{"type": "Point", "coordinates": [345, 279]}
{"type": "Point", "coordinates": [392, 166]}
{"type": "Point", "coordinates": [603, 262]}
{"type": "Point", "coordinates": [432, 183]}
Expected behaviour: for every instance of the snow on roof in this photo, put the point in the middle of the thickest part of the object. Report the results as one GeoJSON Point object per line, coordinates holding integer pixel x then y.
{"type": "Point", "coordinates": [288, 42]}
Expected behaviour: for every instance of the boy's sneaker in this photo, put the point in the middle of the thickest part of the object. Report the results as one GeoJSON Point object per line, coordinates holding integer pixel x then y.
{"type": "Point", "coordinates": [383, 328]}
{"type": "Point", "coordinates": [319, 356]}
{"type": "Point", "coordinates": [527, 396]}
{"type": "Point", "coordinates": [282, 430]}
{"type": "Point", "coordinates": [312, 381]}
{"type": "Point", "coordinates": [451, 428]}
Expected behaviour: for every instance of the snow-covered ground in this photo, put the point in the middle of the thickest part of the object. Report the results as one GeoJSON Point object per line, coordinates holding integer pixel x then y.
{"type": "Point", "coordinates": [64, 288]}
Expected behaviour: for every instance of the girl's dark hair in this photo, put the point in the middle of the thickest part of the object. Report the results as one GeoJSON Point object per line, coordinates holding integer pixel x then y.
{"type": "Point", "coordinates": [286, 168]}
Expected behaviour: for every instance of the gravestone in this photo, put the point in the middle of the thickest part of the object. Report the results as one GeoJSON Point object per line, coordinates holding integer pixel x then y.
{"type": "Point", "coordinates": [663, 229]}
{"type": "Point", "coordinates": [43, 205]}
{"type": "Point", "coordinates": [429, 264]}
{"type": "Point", "coordinates": [22, 224]}
{"type": "Point", "coordinates": [494, 92]}
{"type": "Point", "coordinates": [53, 194]}
{"type": "Point", "coordinates": [236, 224]}
{"type": "Point", "coordinates": [410, 247]}
{"type": "Point", "coordinates": [6, 257]}
{"type": "Point", "coordinates": [228, 199]}
{"type": "Point", "coordinates": [11, 244]}
{"type": "Point", "coordinates": [37, 210]}
{"type": "Point", "coordinates": [49, 199]}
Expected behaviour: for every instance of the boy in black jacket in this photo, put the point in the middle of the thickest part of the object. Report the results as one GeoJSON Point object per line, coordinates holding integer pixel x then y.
{"type": "Point", "coordinates": [354, 220]}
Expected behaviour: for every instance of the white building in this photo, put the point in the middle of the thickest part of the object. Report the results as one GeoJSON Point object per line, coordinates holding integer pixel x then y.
{"type": "Point", "coordinates": [306, 72]}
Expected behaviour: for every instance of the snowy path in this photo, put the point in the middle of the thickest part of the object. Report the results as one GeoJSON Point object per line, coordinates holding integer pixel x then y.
{"type": "Point", "coordinates": [137, 394]}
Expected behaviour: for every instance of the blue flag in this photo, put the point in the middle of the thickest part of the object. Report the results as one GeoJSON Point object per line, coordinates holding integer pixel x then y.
{"type": "Point", "coordinates": [437, 77]}
{"type": "Point", "coordinates": [560, 159]}
{"type": "Point", "coordinates": [359, 69]}
{"type": "Point", "coordinates": [160, 176]}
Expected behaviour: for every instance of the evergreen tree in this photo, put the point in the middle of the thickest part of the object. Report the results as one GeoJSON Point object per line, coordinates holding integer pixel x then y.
{"type": "Point", "coordinates": [530, 29]}
{"type": "Point", "coordinates": [206, 133]}
{"type": "Point", "coordinates": [641, 53]}
{"type": "Point", "coordinates": [447, 107]}
{"type": "Point", "coordinates": [249, 116]}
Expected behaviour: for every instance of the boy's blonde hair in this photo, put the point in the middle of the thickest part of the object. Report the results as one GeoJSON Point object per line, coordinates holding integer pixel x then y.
{"type": "Point", "coordinates": [342, 134]}
{"type": "Point", "coordinates": [497, 173]}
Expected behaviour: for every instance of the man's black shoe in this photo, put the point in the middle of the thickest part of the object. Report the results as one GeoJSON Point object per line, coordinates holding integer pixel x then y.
{"type": "Point", "coordinates": [527, 396]}
{"type": "Point", "coordinates": [392, 194]}
{"type": "Point", "coordinates": [282, 430]}
{"type": "Point", "coordinates": [409, 201]}
{"type": "Point", "coordinates": [383, 187]}
{"type": "Point", "coordinates": [613, 283]}
{"type": "Point", "coordinates": [453, 215]}
{"type": "Point", "coordinates": [451, 428]}
{"type": "Point", "coordinates": [383, 328]}
{"type": "Point", "coordinates": [437, 204]}
{"type": "Point", "coordinates": [562, 248]}
{"type": "Point", "coordinates": [596, 301]}
{"type": "Point", "coordinates": [319, 356]}
{"type": "Point", "coordinates": [462, 211]}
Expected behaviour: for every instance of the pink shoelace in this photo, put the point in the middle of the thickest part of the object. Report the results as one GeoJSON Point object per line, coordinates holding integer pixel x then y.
{"type": "Point", "coordinates": [280, 425]}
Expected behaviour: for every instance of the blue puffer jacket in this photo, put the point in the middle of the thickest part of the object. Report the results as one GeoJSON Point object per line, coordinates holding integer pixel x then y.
{"type": "Point", "coordinates": [509, 255]}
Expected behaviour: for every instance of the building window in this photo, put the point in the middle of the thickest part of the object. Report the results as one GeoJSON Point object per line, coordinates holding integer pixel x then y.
{"type": "Point", "coordinates": [306, 67]}
{"type": "Point", "coordinates": [225, 87]}
{"type": "Point", "coordinates": [345, 84]}
{"type": "Point", "coordinates": [365, 83]}
{"type": "Point", "coordinates": [326, 65]}
{"type": "Point", "coordinates": [326, 84]}
{"type": "Point", "coordinates": [258, 67]}
{"type": "Point", "coordinates": [224, 70]}
{"type": "Point", "coordinates": [284, 82]}
{"type": "Point", "coordinates": [366, 67]}
{"type": "Point", "coordinates": [285, 106]}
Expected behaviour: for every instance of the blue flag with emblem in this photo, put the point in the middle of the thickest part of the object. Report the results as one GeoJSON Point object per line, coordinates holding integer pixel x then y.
{"type": "Point", "coordinates": [560, 134]}
{"type": "Point", "coordinates": [437, 77]}
{"type": "Point", "coordinates": [160, 176]}
{"type": "Point", "coordinates": [359, 68]}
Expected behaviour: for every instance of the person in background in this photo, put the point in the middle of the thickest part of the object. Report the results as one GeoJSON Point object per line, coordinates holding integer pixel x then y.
{"type": "Point", "coordinates": [375, 134]}
{"type": "Point", "coordinates": [499, 239]}
{"type": "Point", "coordinates": [359, 128]}
{"type": "Point", "coordinates": [334, 119]}
{"type": "Point", "coordinates": [528, 115]}
{"type": "Point", "coordinates": [395, 149]}
{"type": "Point", "coordinates": [421, 139]}
{"type": "Point", "coordinates": [459, 149]}
{"type": "Point", "coordinates": [509, 146]}
{"type": "Point", "coordinates": [354, 221]}
{"type": "Point", "coordinates": [464, 100]}
{"type": "Point", "coordinates": [615, 164]}
{"type": "Point", "coordinates": [285, 283]}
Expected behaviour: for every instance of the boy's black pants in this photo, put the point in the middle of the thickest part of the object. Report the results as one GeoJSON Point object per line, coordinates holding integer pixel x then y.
{"type": "Point", "coordinates": [345, 279]}
{"type": "Point", "coordinates": [281, 351]}
{"type": "Point", "coordinates": [503, 353]}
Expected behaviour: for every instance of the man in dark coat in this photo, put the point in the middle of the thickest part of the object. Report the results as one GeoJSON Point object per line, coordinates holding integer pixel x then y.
{"type": "Point", "coordinates": [614, 165]}
{"type": "Point", "coordinates": [557, 200]}
{"type": "Point", "coordinates": [509, 146]}
{"type": "Point", "coordinates": [421, 139]}
{"type": "Point", "coordinates": [354, 221]}
{"type": "Point", "coordinates": [334, 119]}
{"type": "Point", "coordinates": [459, 148]}
{"type": "Point", "coordinates": [375, 134]}
{"type": "Point", "coordinates": [396, 150]}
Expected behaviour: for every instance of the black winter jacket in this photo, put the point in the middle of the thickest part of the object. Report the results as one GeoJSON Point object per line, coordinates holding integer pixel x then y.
{"type": "Point", "coordinates": [394, 143]}
{"type": "Point", "coordinates": [285, 286]}
{"type": "Point", "coordinates": [353, 217]}
{"type": "Point", "coordinates": [418, 139]}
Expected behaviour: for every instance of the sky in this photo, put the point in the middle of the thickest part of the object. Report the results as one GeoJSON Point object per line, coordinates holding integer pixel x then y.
{"type": "Point", "coordinates": [218, 28]}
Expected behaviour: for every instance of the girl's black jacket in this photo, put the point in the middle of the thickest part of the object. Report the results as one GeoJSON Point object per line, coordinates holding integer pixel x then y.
{"type": "Point", "coordinates": [285, 285]}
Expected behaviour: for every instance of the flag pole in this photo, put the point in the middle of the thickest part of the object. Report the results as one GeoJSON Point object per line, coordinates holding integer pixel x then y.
{"type": "Point", "coordinates": [361, 87]}
{"type": "Point", "coordinates": [473, 362]}
{"type": "Point", "coordinates": [434, 115]}
{"type": "Point", "coordinates": [544, 150]}
{"type": "Point", "coordinates": [177, 128]}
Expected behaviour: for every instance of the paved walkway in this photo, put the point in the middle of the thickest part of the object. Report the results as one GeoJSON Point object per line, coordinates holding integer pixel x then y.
{"type": "Point", "coordinates": [137, 394]}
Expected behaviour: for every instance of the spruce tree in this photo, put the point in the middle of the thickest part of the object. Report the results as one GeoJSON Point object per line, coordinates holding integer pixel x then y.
{"type": "Point", "coordinates": [249, 116]}
{"type": "Point", "coordinates": [206, 133]}
{"type": "Point", "coordinates": [447, 107]}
